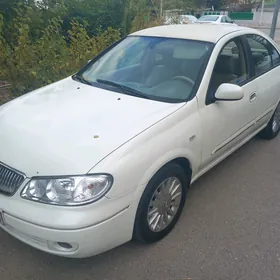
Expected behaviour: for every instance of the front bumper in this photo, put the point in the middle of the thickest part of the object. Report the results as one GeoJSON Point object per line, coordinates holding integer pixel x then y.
{"type": "Point", "coordinates": [85, 242]}
{"type": "Point", "coordinates": [89, 230]}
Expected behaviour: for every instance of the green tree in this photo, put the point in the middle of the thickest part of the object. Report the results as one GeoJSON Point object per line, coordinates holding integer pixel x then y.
{"type": "Point", "coordinates": [28, 62]}
{"type": "Point", "coordinates": [178, 4]}
{"type": "Point", "coordinates": [97, 13]}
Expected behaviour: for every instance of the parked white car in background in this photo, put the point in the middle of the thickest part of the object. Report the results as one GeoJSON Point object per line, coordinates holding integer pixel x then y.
{"type": "Point", "coordinates": [107, 155]}
{"type": "Point", "coordinates": [216, 19]}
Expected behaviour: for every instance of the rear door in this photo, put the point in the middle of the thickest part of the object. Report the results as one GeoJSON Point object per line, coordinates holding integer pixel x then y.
{"type": "Point", "coordinates": [265, 60]}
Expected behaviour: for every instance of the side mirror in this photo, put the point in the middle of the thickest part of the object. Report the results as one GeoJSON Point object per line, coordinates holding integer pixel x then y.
{"type": "Point", "coordinates": [229, 92]}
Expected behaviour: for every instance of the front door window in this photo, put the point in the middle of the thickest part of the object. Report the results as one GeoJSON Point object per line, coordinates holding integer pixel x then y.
{"type": "Point", "coordinates": [230, 66]}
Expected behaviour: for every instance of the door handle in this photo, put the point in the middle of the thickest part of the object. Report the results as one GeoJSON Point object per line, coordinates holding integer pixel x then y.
{"type": "Point", "coordinates": [253, 97]}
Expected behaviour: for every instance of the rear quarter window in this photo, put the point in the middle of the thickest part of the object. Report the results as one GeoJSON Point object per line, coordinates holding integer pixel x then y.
{"type": "Point", "coordinates": [265, 56]}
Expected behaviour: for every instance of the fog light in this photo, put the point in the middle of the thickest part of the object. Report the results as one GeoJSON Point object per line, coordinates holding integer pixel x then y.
{"type": "Point", "coordinates": [60, 246]}
{"type": "Point", "coordinates": [65, 245]}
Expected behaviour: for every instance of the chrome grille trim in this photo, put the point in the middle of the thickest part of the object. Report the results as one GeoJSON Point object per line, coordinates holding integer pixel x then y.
{"type": "Point", "coordinates": [10, 179]}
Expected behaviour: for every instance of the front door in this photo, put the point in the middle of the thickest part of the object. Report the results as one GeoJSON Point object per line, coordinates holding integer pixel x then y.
{"type": "Point", "coordinates": [226, 124]}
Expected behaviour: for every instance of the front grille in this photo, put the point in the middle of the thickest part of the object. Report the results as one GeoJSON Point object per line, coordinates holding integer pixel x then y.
{"type": "Point", "coordinates": [10, 180]}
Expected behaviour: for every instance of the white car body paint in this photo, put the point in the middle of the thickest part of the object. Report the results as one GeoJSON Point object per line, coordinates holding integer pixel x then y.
{"type": "Point", "coordinates": [67, 115]}
{"type": "Point", "coordinates": [63, 130]}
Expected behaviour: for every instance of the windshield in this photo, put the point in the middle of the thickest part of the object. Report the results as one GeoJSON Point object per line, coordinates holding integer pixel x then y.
{"type": "Point", "coordinates": [208, 18]}
{"type": "Point", "coordinates": [162, 69]}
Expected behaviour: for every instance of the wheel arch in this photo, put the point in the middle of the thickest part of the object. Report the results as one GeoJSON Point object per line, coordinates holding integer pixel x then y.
{"type": "Point", "coordinates": [144, 235]}
{"type": "Point", "coordinates": [182, 162]}
{"type": "Point", "coordinates": [185, 164]}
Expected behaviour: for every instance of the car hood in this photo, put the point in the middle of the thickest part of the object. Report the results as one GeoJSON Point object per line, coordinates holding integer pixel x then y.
{"type": "Point", "coordinates": [67, 127]}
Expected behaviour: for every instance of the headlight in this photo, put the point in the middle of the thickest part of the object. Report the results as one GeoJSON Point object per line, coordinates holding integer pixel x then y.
{"type": "Point", "coordinates": [65, 191]}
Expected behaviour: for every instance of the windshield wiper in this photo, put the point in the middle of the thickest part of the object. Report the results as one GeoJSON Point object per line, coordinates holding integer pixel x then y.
{"type": "Point", "coordinates": [81, 79]}
{"type": "Point", "coordinates": [125, 89]}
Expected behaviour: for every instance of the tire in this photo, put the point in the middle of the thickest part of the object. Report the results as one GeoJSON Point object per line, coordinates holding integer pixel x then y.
{"type": "Point", "coordinates": [152, 199]}
{"type": "Point", "coordinates": [273, 127]}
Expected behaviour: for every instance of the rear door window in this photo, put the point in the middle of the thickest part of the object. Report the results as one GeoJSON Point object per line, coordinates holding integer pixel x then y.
{"type": "Point", "coordinates": [264, 54]}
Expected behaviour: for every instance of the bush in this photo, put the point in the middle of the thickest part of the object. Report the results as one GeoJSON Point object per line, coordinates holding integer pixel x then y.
{"type": "Point", "coordinates": [41, 43]}
{"type": "Point", "coordinates": [28, 64]}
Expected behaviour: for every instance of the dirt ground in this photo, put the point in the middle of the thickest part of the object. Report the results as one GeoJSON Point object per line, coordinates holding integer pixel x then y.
{"type": "Point", "coordinates": [5, 94]}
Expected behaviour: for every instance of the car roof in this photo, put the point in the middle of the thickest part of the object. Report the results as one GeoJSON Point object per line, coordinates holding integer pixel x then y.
{"type": "Point", "coordinates": [200, 32]}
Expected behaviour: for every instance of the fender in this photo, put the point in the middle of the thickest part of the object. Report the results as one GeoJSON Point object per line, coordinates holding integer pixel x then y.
{"type": "Point", "coordinates": [176, 136]}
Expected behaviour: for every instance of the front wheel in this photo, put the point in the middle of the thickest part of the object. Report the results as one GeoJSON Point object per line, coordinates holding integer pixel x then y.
{"type": "Point", "coordinates": [161, 204]}
{"type": "Point", "coordinates": [273, 127]}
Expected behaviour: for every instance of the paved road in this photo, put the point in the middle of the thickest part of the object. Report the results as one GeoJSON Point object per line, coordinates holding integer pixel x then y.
{"type": "Point", "coordinates": [230, 229]}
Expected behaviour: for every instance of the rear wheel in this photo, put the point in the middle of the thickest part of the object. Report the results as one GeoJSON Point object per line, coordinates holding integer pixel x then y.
{"type": "Point", "coordinates": [161, 204]}
{"type": "Point", "coordinates": [273, 127]}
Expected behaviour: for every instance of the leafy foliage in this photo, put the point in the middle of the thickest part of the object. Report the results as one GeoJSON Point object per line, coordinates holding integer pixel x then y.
{"type": "Point", "coordinates": [28, 63]}
{"type": "Point", "coordinates": [44, 41]}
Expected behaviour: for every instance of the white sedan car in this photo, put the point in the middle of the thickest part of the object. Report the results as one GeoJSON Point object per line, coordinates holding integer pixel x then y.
{"type": "Point", "coordinates": [108, 154]}
{"type": "Point", "coordinates": [216, 19]}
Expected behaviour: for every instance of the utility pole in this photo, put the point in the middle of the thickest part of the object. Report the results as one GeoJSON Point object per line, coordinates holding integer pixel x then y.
{"type": "Point", "coordinates": [161, 7]}
{"type": "Point", "coordinates": [275, 18]}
